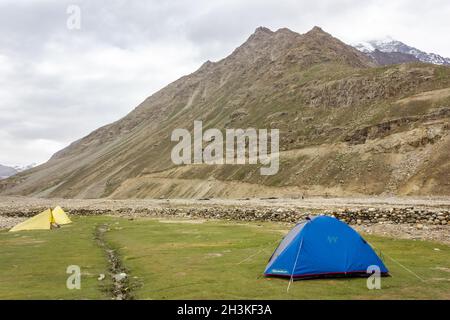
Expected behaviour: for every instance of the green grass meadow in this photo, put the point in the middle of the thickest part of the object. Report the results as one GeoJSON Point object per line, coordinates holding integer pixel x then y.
{"type": "Point", "coordinates": [185, 259]}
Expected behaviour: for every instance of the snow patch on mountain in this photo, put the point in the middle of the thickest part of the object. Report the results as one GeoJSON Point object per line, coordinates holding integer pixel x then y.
{"type": "Point", "coordinates": [391, 45]}
{"type": "Point", "coordinates": [8, 171]}
{"type": "Point", "coordinates": [26, 167]}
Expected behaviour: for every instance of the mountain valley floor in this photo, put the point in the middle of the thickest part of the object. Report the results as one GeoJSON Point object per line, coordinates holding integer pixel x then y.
{"type": "Point", "coordinates": [125, 253]}
{"type": "Point", "coordinates": [156, 258]}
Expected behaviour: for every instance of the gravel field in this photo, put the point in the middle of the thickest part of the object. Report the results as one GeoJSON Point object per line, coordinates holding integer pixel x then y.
{"type": "Point", "coordinates": [13, 203]}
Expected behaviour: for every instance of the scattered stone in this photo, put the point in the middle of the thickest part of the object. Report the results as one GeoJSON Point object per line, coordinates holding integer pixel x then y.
{"type": "Point", "coordinates": [120, 276]}
{"type": "Point", "coordinates": [214, 255]}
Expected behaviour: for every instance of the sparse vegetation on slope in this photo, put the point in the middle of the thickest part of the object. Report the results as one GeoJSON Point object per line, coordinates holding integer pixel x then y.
{"type": "Point", "coordinates": [346, 127]}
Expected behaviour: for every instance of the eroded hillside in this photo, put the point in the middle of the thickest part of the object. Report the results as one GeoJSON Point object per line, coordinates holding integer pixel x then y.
{"type": "Point", "coordinates": [346, 126]}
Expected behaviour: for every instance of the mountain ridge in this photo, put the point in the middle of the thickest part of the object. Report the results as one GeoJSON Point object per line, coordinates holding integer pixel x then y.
{"type": "Point", "coordinates": [390, 45]}
{"type": "Point", "coordinates": [6, 171]}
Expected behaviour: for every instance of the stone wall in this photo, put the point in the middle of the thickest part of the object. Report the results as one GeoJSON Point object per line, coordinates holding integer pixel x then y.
{"type": "Point", "coordinates": [365, 216]}
{"type": "Point", "coordinates": [393, 215]}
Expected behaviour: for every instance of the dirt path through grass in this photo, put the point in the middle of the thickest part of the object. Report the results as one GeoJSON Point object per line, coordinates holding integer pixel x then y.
{"type": "Point", "coordinates": [121, 288]}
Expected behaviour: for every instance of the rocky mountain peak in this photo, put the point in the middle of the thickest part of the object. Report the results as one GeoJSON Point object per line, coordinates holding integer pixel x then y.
{"type": "Point", "coordinates": [317, 30]}
{"type": "Point", "coordinates": [206, 65]}
{"type": "Point", "coordinates": [263, 30]}
{"type": "Point", "coordinates": [260, 34]}
{"type": "Point", "coordinates": [314, 46]}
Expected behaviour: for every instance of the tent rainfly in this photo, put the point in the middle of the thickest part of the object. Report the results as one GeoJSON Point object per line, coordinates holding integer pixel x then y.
{"type": "Point", "coordinates": [43, 220]}
{"type": "Point", "coordinates": [321, 247]}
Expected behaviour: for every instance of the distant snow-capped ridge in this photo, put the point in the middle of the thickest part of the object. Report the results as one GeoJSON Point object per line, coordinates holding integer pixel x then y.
{"type": "Point", "coordinates": [391, 45]}
{"type": "Point", "coordinates": [23, 168]}
{"type": "Point", "coordinates": [6, 171]}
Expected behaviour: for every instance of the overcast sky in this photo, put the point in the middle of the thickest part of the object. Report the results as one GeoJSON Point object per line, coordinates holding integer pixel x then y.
{"type": "Point", "coordinates": [57, 85]}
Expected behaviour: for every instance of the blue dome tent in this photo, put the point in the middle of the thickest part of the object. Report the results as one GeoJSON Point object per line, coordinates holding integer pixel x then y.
{"type": "Point", "coordinates": [322, 246]}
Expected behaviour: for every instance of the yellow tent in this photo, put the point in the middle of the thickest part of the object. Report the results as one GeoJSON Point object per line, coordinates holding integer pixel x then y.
{"type": "Point", "coordinates": [43, 220]}
{"type": "Point", "coordinates": [59, 216]}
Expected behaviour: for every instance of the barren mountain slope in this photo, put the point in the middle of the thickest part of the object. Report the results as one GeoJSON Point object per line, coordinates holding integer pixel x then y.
{"type": "Point", "coordinates": [346, 127]}
{"type": "Point", "coordinates": [388, 58]}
